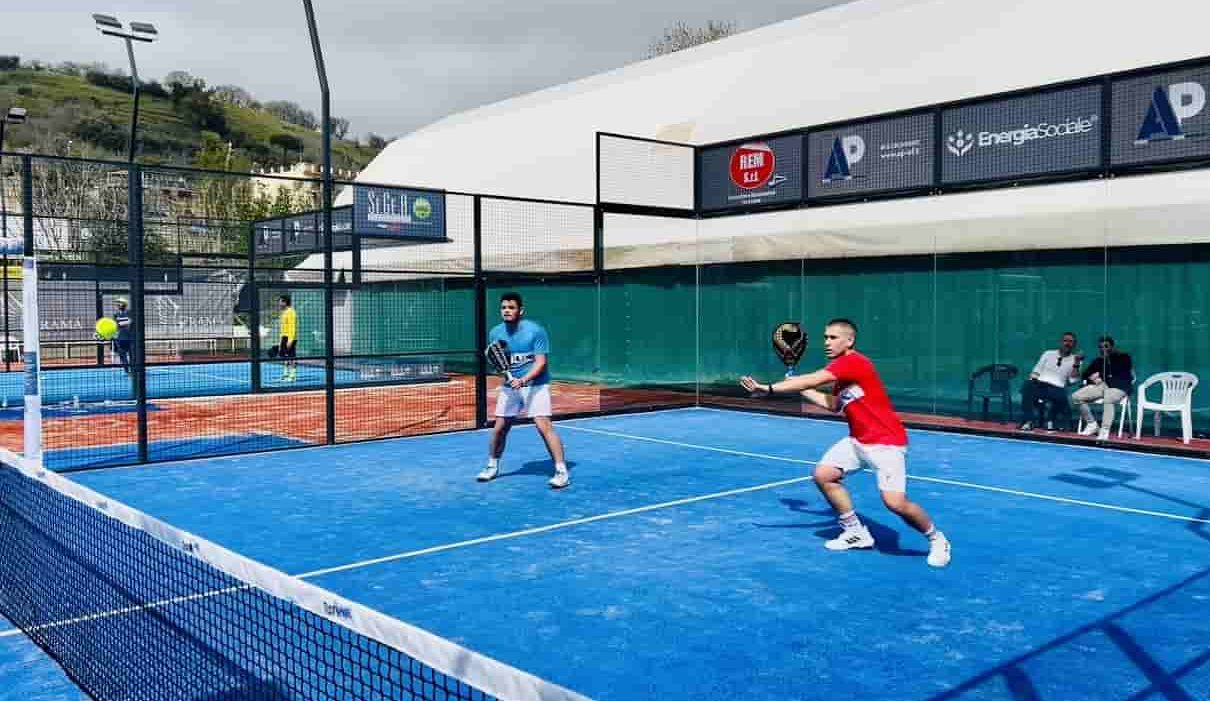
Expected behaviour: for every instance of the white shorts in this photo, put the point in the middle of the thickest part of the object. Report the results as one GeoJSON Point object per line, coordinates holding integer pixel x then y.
{"type": "Point", "coordinates": [889, 462]}
{"type": "Point", "coordinates": [533, 399]}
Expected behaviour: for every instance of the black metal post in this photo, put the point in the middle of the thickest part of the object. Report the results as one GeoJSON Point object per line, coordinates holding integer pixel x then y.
{"type": "Point", "coordinates": [480, 320]}
{"type": "Point", "coordinates": [134, 231]}
{"type": "Point", "coordinates": [598, 239]}
{"type": "Point", "coordinates": [100, 305]}
{"type": "Point", "coordinates": [134, 117]}
{"type": "Point", "coordinates": [4, 233]}
{"type": "Point", "coordinates": [329, 297]}
{"type": "Point", "coordinates": [3, 196]}
{"type": "Point", "coordinates": [27, 197]}
{"type": "Point", "coordinates": [8, 338]}
{"type": "Point", "coordinates": [253, 311]}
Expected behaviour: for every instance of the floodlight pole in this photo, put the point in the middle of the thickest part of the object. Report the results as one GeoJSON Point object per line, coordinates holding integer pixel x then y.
{"type": "Point", "coordinates": [329, 296]}
{"type": "Point", "coordinates": [13, 115]}
{"type": "Point", "coordinates": [134, 86]}
{"type": "Point", "coordinates": [139, 31]}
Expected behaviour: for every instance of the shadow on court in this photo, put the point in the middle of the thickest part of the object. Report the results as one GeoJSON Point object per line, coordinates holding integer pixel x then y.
{"type": "Point", "coordinates": [1108, 478]}
{"type": "Point", "coordinates": [1108, 644]}
{"type": "Point", "coordinates": [538, 468]}
{"type": "Point", "coordinates": [886, 539]}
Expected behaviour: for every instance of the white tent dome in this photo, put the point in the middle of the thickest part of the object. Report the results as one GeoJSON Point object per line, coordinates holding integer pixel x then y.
{"type": "Point", "coordinates": [853, 60]}
{"type": "Point", "coordinates": [850, 61]}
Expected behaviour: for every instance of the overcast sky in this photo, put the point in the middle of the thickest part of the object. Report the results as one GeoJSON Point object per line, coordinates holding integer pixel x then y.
{"type": "Point", "coordinates": [393, 65]}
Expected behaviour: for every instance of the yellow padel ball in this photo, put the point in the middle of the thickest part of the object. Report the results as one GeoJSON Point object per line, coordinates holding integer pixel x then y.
{"type": "Point", "coordinates": [107, 328]}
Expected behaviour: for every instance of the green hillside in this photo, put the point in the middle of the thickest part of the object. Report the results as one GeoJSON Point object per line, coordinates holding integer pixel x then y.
{"type": "Point", "coordinates": [88, 114]}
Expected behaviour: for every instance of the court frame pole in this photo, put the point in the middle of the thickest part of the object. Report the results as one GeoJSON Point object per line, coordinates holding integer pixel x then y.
{"type": "Point", "coordinates": [134, 232]}
{"type": "Point", "coordinates": [480, 319]}
{"type": "Point", "coordinates": [329, 296]}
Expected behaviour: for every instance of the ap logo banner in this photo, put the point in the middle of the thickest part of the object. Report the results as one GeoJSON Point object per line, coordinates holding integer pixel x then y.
{"type": "Point", "coordinates": [1168, 111]}
{"type": "Point", "coordinates": [847, 152]}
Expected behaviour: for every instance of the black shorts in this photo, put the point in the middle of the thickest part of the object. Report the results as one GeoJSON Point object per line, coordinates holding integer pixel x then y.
{"type": "Point", "coordinates": [287, 348]}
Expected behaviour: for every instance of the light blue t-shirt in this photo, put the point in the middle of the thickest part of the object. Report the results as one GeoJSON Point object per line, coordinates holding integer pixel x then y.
{"type": "Point", "coordinates": [525, 341]}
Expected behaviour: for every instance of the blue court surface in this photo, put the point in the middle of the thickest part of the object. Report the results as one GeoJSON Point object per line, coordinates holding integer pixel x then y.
{"type": "Point", "coordinates": [686, 561]}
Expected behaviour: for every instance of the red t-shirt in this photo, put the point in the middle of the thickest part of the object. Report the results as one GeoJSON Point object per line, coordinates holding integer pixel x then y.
{"type": "Point", "coordinates": [864, 401]}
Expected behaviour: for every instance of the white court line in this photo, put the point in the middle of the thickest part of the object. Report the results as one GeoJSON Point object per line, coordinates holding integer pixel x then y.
{"type": "Point", "coordinates": [553, 527]}
{"type": "Point", "coordinates": [166, 369]}
{"type": "Point", "coordinates": [965, 434]}
{"type": "Point", "coordinates": [1061, 500]}
{"type": "Point", "coordinates": [333, 446]}
{"type": "Point", "coordinates": [12, 632]}
{"type": "Point", "coordinates": [939, 480]}
{"type": "Point", "coordinates": [425, 551]}
{"type": "Point", "coordinates": [712, 449]}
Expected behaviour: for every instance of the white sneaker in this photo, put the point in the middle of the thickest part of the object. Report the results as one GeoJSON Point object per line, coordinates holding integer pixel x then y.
{"type": "Point", "coordinates": [560, 480]}
{"type": "Point", "coordinates": [939, 552]}
{"type": "Point", "coordinates": [1089, 429]}
{"type": "Point", "coordinates": [489, 473]}
{"type": "Point", "coordinates": [1103, 434]}
{"type": "Point", "coordinates": [851, 538]}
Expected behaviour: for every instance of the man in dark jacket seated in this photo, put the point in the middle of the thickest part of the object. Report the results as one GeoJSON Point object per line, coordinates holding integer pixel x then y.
{"type": "Point", "coordinates": [1110, 378]}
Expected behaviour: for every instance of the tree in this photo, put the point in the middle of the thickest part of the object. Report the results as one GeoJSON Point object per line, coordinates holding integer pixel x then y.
{"type": "Point", "coordinates": [375, 141]}
{"type": "Point", "coordinates": [182, 78]}
{"type": "Point", "coordinates": [286, 142]}
{"type": "Point", "coordinates": [199, 110]}
{"type": "Point", "coordinates": [681, 36]}
{"type": "Point", "coordinates": [292, 113]}
{"type": "Point", "coordinates": [10, 63]}
{"type": "Point", "coordinates": [340, 127]}
{"type": "Point", "coordinates": [233, 95]}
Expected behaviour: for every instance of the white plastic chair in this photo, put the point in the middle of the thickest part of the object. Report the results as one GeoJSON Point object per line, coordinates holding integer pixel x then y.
{"type": "Point", "coordinates": [1123, 412]}
{"type": "Point", "coordinates": [1177, 398]}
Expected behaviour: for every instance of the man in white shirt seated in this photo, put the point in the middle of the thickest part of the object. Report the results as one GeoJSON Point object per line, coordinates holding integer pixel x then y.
{"type": "Point", "coordinates": [1048, 382]}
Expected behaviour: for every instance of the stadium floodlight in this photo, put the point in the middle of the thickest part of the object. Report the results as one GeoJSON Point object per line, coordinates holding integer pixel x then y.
{"type": "Point", "coordinates": [107, 21]}
{"type": "Point", "coordinates": [139, 31]}
{"type": "Point", "coordinates": [14, 115]}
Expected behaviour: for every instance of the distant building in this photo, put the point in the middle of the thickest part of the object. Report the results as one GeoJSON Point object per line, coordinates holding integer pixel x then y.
{"type": "Point", "coordinates": [301, 179]}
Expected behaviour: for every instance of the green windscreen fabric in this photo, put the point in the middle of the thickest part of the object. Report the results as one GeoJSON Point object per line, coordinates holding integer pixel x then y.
{"type": "Point", "coordinates": [928, 321]}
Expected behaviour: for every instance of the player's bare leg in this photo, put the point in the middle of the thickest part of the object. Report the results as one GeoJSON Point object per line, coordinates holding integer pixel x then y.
{"type": "Point", "coordinates": [829, 480]}
{"type": "Point", "coordinates": [915, 516]}
{"type": "Point", "coordinates": [499, 439]}
{"type": "Point", "coordinates": [908, 510]}
{"type": "Point", "coordinates": [555, 446]}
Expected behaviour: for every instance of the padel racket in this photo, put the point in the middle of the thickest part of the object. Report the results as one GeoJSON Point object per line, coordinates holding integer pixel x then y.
{"type": "Point", "coordinates": [497, 359]}
{"type": "Point", "coordinates": [789, 342]}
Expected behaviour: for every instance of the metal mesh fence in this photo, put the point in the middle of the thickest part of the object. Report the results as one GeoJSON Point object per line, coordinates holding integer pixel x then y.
{"type": "Point", "coordinates": [646, 173]}
{"type": "Point", "coordinates": [642, 310]}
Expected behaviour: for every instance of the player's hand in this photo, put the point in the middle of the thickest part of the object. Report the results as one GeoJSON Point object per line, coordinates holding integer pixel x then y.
{"type": "Point", "coordinates": [517, 383]}
{"type": "Point", "coordinates": [751, 385]}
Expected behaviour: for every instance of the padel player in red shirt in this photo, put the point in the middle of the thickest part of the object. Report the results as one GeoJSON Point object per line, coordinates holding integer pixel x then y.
{"type": "Point", "coordinates": [876, 440]}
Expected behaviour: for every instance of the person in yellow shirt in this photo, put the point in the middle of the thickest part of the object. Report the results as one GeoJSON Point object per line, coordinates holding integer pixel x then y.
{"type": "Point", "coordinates": [287, 349]}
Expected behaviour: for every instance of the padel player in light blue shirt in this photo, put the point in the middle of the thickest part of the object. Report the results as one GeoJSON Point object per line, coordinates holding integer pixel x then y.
{"type": "Point", "coordinates": [529, 391]}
